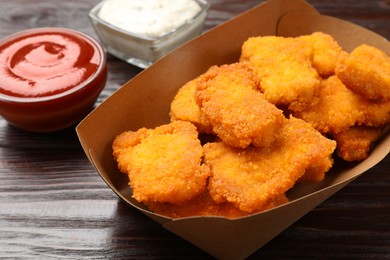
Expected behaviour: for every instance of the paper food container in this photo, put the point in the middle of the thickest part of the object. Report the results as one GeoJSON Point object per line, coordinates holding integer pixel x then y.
{"type": "Point", "coordinates": [145, 100]}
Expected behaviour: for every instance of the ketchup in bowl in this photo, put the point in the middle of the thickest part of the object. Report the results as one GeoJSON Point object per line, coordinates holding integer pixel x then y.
{"type": "Point", "coordinates": [49, 78]}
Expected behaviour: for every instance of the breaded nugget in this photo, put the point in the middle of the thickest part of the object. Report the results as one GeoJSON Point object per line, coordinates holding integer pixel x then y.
{"type": "Point", "coordinates": [336, 110]}
{"type": "Point", "coordinates": [164, 163]}
{"type": "Point", "coordinates": [315, 172]}
{"type": "Point", "coordinates": [203, 205]}
{"type": "Point", "coordinates": [339, 108]}
{"type": "Point", "coordinates": [184, 107]}
{"type": "Point", "coordinates": [249, 178]}
{"type": "Point", "coordinates": [355, 143]}
{"type": "Point", "coordinates": [327, 52]}
{"type": "Point", "coordinates": [284, 67]}
{"type": "Point", "coordinates": [230, 100]}
{"type": "Point", "coordinates": [366, 72]}
{"type": "Point", "coordinates": [374, 114]}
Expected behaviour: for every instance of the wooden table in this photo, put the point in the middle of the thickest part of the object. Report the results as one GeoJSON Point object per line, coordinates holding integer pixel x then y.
{"type": "Point", "coordinates": [53, 204]}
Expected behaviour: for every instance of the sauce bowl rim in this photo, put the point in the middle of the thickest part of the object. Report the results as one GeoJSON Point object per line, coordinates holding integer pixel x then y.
{"type": "Point", "coordinates": [91, 40]}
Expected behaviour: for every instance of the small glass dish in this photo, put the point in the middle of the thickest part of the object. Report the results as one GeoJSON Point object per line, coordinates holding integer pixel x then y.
{"type": "Point", "coordinates": [142, 51]}
{"type": "Point", "coordinates": [50, 78]}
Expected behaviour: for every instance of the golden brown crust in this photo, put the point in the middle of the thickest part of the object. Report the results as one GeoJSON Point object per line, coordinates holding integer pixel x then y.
{"type": "Point", "coordinates": [326, 52]}
{"type": "Point", "coordinates": [250, 177]}
{"type": "Point", "coordinates": [252, 154]}
{"type": "Point", "coordinates": [355, 143]}
{"type": "Point", "coordinates": [340, 108]}
{"type": "Point", "coordinates": [184, 107]}
{"type": "Point", "coordinates": [230, 100]}
{"type": "Point", "coordinates": [366, 71]}
{"type": "Point", "coordinates": [163, 164]}
{"type": "Point", "coordinates": [284, 68]}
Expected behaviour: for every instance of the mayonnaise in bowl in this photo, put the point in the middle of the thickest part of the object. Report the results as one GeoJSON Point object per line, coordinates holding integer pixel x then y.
{"type": "Point", "coordinates": [152, 18]}
{"type": "Point", "coordinates": [141, 32]}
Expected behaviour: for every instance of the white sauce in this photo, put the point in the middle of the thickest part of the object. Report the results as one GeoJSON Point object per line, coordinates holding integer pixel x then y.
{"type": "Point", "coordinates": [151, 18]}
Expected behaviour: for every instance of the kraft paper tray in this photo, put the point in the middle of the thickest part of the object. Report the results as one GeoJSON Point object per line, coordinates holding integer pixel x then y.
{"type": "Point", "coordinates": [144, 101]}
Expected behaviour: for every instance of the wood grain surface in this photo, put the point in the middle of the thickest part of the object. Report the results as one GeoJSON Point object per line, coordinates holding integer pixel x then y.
{"type": "Point", "coordinates": [54, 205]}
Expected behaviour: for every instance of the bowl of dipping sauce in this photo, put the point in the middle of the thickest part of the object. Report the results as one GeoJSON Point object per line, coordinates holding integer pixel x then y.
{"type": "Point", "coordinates": [141, 32]}
{"type": "Point", "coordinates": [50, 78]}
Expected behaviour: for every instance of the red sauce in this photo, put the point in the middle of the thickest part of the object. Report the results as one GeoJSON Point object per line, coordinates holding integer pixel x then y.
{"type": "Point", "coordinates": [46, 63]}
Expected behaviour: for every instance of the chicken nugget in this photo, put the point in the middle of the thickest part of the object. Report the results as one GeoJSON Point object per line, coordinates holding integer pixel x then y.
{"type": "Point", "coordinates": [340, 108]}
{"type": "Point", "coordinates": [327, 52]}
{"type": "Point", "coordinates": [230, 100]}
{"type": "Point", "coordinates": [164, 163]}
{"type": "Point", "coordinates": [366, 72]}
{"type": "Point", "coordinates": [355, 143]}
{"type": "Point", "coordinates": [203, 205]}
{"type": "Point", "coordinates": [284, 67]}
{"type": "Point", "coordinates": [184, 107]}
{"type": "Point", "coordinates": [374, 114]}
{"type": "Point", "coordinates": [336, 110]}
{"type": "Point", "coordinates": [249, 178]}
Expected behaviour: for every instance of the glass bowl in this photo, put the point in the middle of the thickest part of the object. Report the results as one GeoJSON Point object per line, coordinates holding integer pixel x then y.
{"type": "Point", "coordinates": [141, 50]}
{"type": "Point", "coordinates": [51, 78]}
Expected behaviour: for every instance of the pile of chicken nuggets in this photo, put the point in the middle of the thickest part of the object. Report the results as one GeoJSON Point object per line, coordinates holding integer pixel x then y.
{"type": "Point", "coordinates": [242, 134]}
